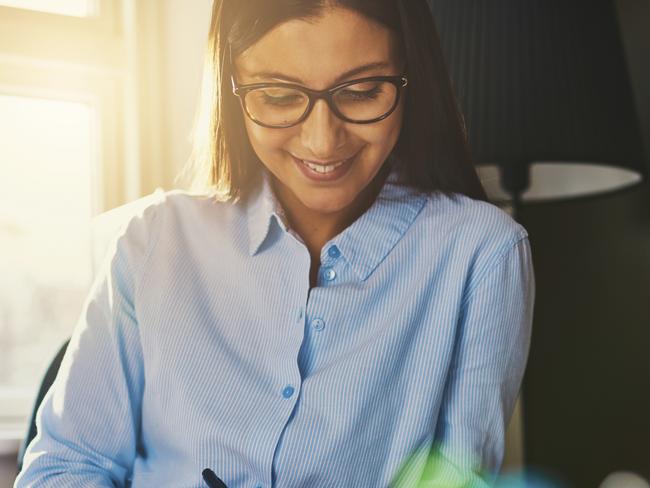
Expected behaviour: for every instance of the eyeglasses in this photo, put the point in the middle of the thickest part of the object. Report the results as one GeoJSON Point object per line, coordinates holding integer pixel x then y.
{"type": "Point", "coordinates": [281, 105]}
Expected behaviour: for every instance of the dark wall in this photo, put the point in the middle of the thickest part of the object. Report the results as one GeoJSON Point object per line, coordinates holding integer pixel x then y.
{"type": "Point", "coordinates": [634, 16]}
{"type": "Point", "coordinates": [586, 397]}
{"type": "Point", "coordinates": [587, 388]}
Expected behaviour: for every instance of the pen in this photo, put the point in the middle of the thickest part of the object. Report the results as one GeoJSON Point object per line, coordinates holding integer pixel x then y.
{"type": "Point", "coordinates": [211, 479]}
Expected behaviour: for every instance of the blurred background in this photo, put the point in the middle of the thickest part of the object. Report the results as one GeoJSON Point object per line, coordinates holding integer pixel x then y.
{"type": "Point", "coordinates": [97, 103]}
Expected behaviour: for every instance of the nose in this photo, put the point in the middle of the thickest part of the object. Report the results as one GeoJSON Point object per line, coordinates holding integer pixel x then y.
{"type": "Point", "coordinates": [322, 132]}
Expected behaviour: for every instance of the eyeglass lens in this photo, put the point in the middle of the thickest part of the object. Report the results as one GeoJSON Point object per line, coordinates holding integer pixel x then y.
{"type": "Point", "coordinates": [359, 102]}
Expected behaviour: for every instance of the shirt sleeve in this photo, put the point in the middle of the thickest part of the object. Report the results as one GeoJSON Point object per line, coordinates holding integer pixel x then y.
{"type": "Point", "coordinates": [88, 422]}
{"type": "Point", "coordinates": [492, 344]}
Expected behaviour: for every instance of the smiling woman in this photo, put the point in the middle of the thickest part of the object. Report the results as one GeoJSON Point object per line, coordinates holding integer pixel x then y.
{"type": "Point", "coordinates": [326, 168]}
{"type": "Point", "coordinates": [340, 306]}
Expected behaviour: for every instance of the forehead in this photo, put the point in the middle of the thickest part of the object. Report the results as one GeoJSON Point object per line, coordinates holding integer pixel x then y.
{"type": "Point", "coordinates": [317, 50]}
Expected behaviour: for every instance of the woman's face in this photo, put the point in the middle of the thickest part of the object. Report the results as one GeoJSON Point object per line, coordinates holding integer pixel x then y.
{"type": "Point", "coordinates": [316, 54]}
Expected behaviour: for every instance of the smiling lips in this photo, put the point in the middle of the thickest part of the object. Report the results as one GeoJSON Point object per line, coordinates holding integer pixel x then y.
{"type": "Point", "coordinates": [324, 172]}
{"type": "Point", "coordinates": [323, 169]}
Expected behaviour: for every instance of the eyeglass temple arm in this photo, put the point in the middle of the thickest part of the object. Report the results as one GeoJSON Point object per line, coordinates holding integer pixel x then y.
{"type": "Point", "coordinates": [234, 85]}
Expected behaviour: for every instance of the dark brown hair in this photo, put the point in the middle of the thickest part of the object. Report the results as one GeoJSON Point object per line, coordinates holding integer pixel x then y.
{"type": "Point", "coordinates": [431, 153]}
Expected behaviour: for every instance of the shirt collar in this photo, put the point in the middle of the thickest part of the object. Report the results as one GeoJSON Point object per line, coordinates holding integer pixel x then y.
{"type": "Point", "coordinates": [365, 243]}
{"type": "Point", "coordinates": [262, 210]}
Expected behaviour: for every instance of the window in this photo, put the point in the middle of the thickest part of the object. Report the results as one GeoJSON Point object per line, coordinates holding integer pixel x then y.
{"type": "Point", "coordinates": [77, 8]}
{"type": "Point", "coordinates": [47, 157]}
{"type": "Point", "coordinates": [71, 102]}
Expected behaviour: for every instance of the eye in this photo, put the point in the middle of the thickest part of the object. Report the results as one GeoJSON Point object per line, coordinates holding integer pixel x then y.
{"type": "Point", "coordinates": [278, 97]}
{"type": "Point", "coordinates": [286, 100]}
{"type": "Point", "coordinates": [354, 94]}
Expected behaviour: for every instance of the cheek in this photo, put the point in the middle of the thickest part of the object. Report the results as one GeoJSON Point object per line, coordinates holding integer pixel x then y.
{"type": "Point", "coordinates": [383, 135]}
{"type": "Point", "coordinates": [264, 140]}
{"type": "Point", "coordinates": [397, 119]}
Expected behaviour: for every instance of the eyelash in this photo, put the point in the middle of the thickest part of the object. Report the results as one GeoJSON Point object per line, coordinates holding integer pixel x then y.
{"type": "Point", "coordinates": [360, 96]}
{"type": "Point", "coordinates": [276, 100]}
{"type": "Point", "coordinates": [369, 94]}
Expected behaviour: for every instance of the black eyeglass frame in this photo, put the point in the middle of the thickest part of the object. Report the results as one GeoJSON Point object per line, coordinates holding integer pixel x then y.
{"type": "Point", "coordinates": [240, 91]}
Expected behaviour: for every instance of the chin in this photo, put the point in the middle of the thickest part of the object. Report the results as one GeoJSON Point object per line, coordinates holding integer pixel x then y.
{"type": "Point", "coordinates": [328, 207]}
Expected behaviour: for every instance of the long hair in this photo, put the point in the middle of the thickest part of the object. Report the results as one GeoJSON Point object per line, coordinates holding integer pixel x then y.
{"type": "Point", "coordinates": [431, 153]}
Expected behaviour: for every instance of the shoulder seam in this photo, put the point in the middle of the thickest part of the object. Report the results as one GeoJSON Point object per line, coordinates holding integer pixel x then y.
{"type": "Point", "coordinates": [152, 243]}
{"type": "Point", "coordinates": [506, 249]}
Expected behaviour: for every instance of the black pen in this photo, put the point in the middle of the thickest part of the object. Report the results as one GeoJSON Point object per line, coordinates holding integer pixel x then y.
{"type": "Point", "coordinates": [211, 479]}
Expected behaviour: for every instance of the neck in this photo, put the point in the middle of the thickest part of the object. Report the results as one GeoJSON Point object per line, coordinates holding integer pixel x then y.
{"type": "Point", "coordinates": [317, 228]}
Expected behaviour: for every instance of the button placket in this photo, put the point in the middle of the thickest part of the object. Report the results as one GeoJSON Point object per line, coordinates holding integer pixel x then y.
{"type": "Point", "coordinates": [318, 324]}
{"type": "Point", "coordinates": [329, 274]}
{"type": "Point", "coordinates": [333, 252]}
{"type": "Point", "coordinates": [288, 391]}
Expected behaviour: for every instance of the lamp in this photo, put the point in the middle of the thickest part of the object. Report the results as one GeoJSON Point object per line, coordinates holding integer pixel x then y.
{"type": "Point", "coordinates": [543, 85]}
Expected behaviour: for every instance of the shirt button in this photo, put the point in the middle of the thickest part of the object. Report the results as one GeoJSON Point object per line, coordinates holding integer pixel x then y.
{"type": "Point", "coordinates": [329, 274]}
{"type": "Point", "coordinates": [300, 313]}
{"type": "Point", "coordinates": [288, 391]}
{"type": "Point", "coordinates": [318, 324]}
{"type": "Point", "coordinates": [333, 252]}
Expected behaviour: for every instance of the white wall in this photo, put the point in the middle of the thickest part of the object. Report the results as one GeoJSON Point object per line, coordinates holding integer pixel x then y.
{"type": "Point", "coordinates": [185, 26]}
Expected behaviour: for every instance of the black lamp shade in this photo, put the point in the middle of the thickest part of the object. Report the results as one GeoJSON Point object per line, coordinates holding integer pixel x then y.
{"type": "Point", "coordinates": [541, 81]}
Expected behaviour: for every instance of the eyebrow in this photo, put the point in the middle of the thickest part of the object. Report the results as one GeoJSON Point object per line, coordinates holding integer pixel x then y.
{"type": "Point", "coordinates": [343, 76]}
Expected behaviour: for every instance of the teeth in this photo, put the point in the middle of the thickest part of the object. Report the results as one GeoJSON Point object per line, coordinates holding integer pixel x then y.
{"type": "Point", "coordinates": [319, 168]}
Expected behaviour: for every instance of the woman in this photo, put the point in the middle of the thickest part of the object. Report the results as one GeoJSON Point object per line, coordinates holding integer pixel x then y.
{"type": "Point", "coordinates": [343, 310]}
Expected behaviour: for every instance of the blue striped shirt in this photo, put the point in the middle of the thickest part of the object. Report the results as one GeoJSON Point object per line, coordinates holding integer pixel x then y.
{"type": "Point", "coordinates": [201, 345]}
